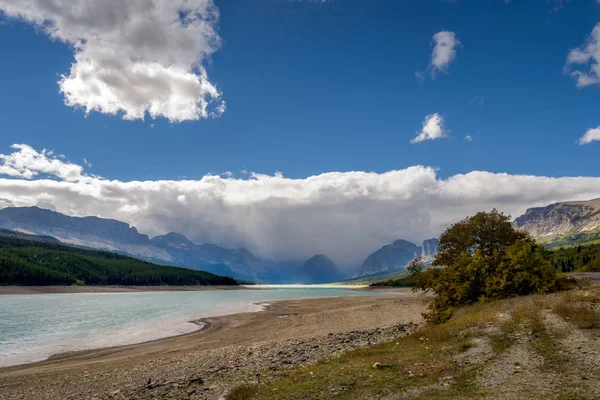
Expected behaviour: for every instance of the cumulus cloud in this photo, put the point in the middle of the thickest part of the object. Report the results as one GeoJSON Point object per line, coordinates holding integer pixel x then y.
{"type": "Point", "coordinates": [27, 163]}
{"type": "Point", "coordinates": [346, 215]}
{"type": "Point", "coordinates": [444, 51]}
{"type": "Point", "coordinates": [132, 57]}
{"type": "Point", "coordinates": [433, 128]}
{"type": "Point", "coordinates": [583, 63]}
{"type": "Point", "coordinates": [468, 138]}
{"type": "Point", "coordinates": [590, 136]}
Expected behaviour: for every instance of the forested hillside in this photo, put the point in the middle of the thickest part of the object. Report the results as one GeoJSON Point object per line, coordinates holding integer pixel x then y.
{"type": "Point", "coordinates": [29, 261]}
{"type": "Point", "coordinates": [577, 258]}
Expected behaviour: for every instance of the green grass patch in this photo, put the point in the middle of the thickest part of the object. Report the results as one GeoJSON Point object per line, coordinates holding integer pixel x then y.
{"type": "Point", "coordinates": [581, 308]}
{"type": "Point", "coordinates": [241, 392]}
{"type": "Point", "coordinates": [466, 346]}
{"type": "Point", "coordinates": [416, 362]}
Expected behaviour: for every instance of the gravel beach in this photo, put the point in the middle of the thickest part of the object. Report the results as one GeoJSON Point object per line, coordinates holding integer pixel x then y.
{"type": "Point", "coordinates": [229, 350]}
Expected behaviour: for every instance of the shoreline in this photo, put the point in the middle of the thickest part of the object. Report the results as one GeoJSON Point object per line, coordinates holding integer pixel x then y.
{"type": "Point", "coordinates": [389, 289]}
{"type": "Point", "coordinates": [202, 323]}
{"type": "Point", "coordinates": [9, 290]}
{"type": "Point", "coordinates": [225, 350]}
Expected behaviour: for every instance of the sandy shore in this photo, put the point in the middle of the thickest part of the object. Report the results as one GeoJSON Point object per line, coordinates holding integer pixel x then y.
{"type": "Point", "coordinates": [387, 289]}
{"type": "Point", "coordinates": [107, 289]}
{"type": "Point", "coordinates": [229, 350]}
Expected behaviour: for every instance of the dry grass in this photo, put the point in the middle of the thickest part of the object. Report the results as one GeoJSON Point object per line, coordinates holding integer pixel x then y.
{"type": "Point", "coordinates": [242, 392]}
{"type": "Point", "coordinates": [423, 366]}
{"type": "Point", "coordinates": [417, 362]}
{"type": "Point", "coordinates": [581, 308]}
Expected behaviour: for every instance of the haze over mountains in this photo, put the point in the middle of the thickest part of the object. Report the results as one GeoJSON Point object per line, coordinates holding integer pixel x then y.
{"type": "Point", "coordinates": [176, 249]}
{"type": "Point", "coordinates": [557, 224]}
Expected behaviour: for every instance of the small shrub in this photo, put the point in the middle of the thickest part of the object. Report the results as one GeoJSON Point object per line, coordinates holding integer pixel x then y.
{"type": "Point", "coordinates": [241, 392]}
{"type": "Point", "coordinates": [466, 346]}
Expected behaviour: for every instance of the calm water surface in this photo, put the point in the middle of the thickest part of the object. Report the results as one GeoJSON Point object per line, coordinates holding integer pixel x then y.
{"type": "Point", "coordinates": [33, 327]}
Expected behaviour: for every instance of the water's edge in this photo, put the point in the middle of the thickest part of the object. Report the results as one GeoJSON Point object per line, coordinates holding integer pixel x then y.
{"type": "Point", "coordinates": [49, 345]}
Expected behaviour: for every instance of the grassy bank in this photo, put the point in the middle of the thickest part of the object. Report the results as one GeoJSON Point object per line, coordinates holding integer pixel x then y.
{"type": "Point", "coordinates": [542, 346]}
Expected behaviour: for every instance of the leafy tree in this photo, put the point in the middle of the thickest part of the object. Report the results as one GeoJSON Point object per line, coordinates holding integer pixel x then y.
{"type": "Point", "coordinates": [416, 266]}
{"type": "Point", "coordinates": [490, 233]}
{"type": "Point", "coordinates": [485, 258]}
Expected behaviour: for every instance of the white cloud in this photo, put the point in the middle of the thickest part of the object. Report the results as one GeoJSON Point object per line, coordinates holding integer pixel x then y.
{"type": "Point", "coordinates": [468, 138]}
{"type": "Point", "coordinates": [590, 136]}
{"type": "Point", "coordinates": [28, 163]}
{"type": "Point", "coordinates": [444, 51]}
{"type": "Point", "coordinates": [433, 128]}
{"type": "Point", "coordinates": [346, 215]}
{"type": "Point", "coordinates": [132, 57]}
{"type": "Point", "coordinates": [583, 63]}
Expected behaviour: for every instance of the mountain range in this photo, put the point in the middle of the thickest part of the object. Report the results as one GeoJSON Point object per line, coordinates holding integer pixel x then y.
{"type": "Point", "coordinates": [394, 257]}
{"type": "Point", "coordinates": [112, 235]}
{"type": "Point", "coordinates": [563, 224]}
{"type": "Point", "coordinates": [555, 225]}
{"type": "Point", "coordinates": [176, 249]}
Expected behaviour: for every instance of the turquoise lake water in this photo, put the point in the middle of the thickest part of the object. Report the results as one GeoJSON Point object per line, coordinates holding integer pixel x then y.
{"type": "Point", "coordinates": [34, 327]}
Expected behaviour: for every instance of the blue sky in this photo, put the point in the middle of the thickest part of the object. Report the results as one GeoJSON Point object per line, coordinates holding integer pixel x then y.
{"type": "Point", "coordinates": [313, 87]}
{"type": "Point", "coordinates": [311, 105]}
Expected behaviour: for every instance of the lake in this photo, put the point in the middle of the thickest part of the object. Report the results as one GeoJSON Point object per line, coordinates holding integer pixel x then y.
{"type": "Point", "coordinates": [34, 327]}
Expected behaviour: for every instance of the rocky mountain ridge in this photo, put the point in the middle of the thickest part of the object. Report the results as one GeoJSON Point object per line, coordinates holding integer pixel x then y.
{"type": "Point", "coordinates": [562, 223]}
{"type": "Point", "coordinates": [176, 249]}
{"type": "Point", "coordinates": [93, 232]}
{"type": "Point", "coordinates": [172, 248]}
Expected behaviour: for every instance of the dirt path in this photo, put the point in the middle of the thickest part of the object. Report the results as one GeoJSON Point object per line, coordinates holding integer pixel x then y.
{"type": "Point", "coordinates": [549, 356]}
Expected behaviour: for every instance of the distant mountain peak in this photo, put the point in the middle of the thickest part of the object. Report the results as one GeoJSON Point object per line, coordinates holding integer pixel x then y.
{"type": "Point", "coordinates": [320, 258]}
{"type": "Point", "coordinates": [173, 239]}
{"type": "Point", "coordinates": [395, 256]}
{"type": "Point", "coordinates": [320, 269]}
{"type": "Point", "coordinates": [430, 248]}
{"type": "Point", "coordinates": [402, 243]}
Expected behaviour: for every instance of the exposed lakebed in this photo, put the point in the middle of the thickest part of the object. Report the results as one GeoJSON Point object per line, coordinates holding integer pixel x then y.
{"type": "Point", "coordinates": [34, 327]}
